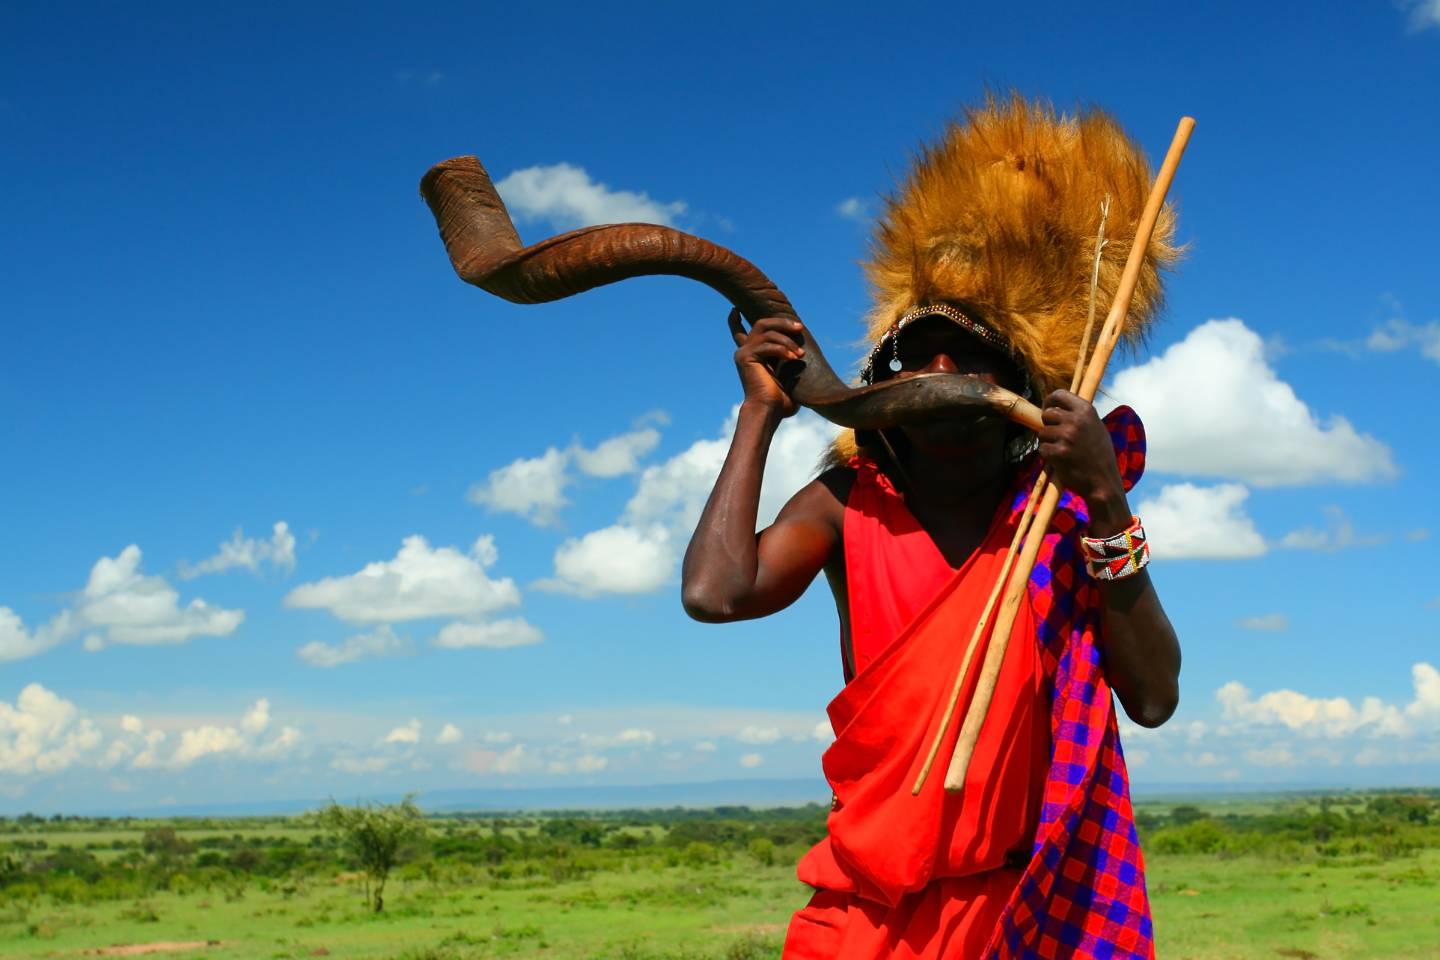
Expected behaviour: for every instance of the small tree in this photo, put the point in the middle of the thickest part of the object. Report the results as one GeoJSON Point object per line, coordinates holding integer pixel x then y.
{"type": "Point", "coordinates": [375, 834]}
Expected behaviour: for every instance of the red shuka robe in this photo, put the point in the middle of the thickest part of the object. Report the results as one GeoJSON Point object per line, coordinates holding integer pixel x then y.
{"type": "Point", "coordinates": [900, 876]}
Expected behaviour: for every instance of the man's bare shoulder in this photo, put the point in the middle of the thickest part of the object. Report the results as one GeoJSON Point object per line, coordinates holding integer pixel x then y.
{"type": "Point", "coordinates": [822, 500]}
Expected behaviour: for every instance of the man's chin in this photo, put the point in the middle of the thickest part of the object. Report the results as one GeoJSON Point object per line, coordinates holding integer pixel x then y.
{"type": "Point", "coordinates": [956, 437]}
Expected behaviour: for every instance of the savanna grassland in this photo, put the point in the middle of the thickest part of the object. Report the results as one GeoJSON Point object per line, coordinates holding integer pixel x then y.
{"type": "Point", "coordinates": [1342, 876]}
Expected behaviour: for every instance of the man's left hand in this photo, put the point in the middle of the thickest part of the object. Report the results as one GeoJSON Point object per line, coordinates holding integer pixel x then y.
{"type": "Point", "coordinates": [1079, 456]}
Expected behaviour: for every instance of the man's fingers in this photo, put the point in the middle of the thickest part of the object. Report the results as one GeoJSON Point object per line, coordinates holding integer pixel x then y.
{"type": "Point", "coordinates": [1064, 399]}
{"type": "Point", "coordinates": [737, 327]}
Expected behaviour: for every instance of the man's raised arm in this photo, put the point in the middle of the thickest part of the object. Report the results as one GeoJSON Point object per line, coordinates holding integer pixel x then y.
{"type": "Point", "coordinates": [730, 573]}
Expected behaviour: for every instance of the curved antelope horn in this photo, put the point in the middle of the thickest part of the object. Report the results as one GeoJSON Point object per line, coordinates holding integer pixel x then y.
{"type": "Point", "coordinates": [486, 251]}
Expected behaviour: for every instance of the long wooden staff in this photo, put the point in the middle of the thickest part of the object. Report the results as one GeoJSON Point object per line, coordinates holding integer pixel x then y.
{"type": "Point", "coordinates": [1020, 572]}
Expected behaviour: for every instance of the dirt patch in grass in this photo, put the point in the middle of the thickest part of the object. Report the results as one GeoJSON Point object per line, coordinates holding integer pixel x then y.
{"type": "Point", "coordinates": [159, 946]}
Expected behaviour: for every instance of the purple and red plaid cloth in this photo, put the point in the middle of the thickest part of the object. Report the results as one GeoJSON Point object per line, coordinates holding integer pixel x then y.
{"type": "Point", "coordinates": [1083, 893]}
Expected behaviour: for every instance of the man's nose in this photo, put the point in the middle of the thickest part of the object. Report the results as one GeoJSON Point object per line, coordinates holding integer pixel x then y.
{"type": "Point", "coordinates": [941, 363]}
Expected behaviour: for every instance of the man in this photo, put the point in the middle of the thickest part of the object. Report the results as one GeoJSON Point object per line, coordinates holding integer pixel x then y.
{"type": "Point", "coordinates": [981, 267]}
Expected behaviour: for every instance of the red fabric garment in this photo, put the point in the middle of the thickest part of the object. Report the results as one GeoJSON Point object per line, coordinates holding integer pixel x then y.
{"type": "Point", "coordinates": [920, 877]}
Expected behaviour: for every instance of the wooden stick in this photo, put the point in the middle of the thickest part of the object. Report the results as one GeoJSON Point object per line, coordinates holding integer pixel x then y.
{"type": "Point", "coordinates": [1095, 372]}
{"type": "Point", "coordinates": [1023, 528]}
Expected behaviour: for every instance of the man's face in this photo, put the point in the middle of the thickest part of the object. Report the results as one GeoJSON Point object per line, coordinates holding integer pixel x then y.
{"type": "Point", "coordinates": [938, 345]}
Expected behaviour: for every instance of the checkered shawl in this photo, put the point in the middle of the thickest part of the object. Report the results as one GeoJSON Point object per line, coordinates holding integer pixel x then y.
{"type": "Point", "coordinates": [1083, 893]}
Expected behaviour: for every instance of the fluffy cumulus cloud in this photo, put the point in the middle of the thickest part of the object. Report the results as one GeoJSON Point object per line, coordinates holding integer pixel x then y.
{"type": "Point", "coordinates": [620, 454]}
{"type": "Point", "coordinates": [1338, 534]}
{"type": "Point", "coordinates": [639, 552]}
{"type": "Point", "coordinates": [122, 605]}
{"type": "Point", "coordinates": [248, 553]}
{"type": "Point", "coordinates": [1214, 406]}
{"type": "Point", "coordinates": [534, 487]}
{"type": "Point", "coordinates": [18, 641]}
{"type": "Point", "coordinates": [564, 196]}
{"type": "Point", "coordinates": [449, 734]}
{"type": "Point", "coordinates": [380, 642]}
{"type": "Point", "coordinates": [1184, 521]}
{"type": "Point", "coordinates": [119, 604]}
{"type": "Point", "coordinates": [495, 635]}
{"type": "Point", "coordinates": [1337, 717]}
{"type": "Point", "coordinates": [420, 582]}
{"type": "Point", "coordinates": [43, 733]}
{"type": "Point", "coordinates": [409, 733]}
{"type": "Point", "coordinates": [853, 208]}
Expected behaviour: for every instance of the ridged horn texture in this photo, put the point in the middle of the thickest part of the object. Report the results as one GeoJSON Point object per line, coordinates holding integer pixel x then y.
{"type": "Point", "coordinates": [486, 251]}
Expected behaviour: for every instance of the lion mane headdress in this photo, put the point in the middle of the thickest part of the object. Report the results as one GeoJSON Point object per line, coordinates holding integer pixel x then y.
{"type": "Point", "coordinates": [999, 218]}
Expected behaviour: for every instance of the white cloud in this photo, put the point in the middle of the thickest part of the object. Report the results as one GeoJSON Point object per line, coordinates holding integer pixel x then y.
{"type": "Point", "coordinates": [380, 642]}
{"type": "Point", "coordinates": [1214, 407]}
{"type": "Point", "coordinates": [853, 208]}
{"type": "Point", "coordinates": [1266, 623]}
{"type": "Point", "coordinates": [618, 559]}
{"type": "Point", "coordinates": [409, 733]}
{"type": "Point", "coordinates": [639, 553]}
{"type": "Point", "coordinates": [1424, 14]}
{"type": "Point", "coordinates": [591, 763]}
{"type": "Point", "coordinates": [1336, 717]}
{"type": "Point", "coordinates": [637, 736]}
{"type": "Point", "coordinates": [532, 488]}
{"type": "Point", "coordinates": [704, 746]}
{"type": "Point", "coordinates": [499, 736]}
{"type": "Point", "coordinates": [566, 197]}
{"type": "Point", "coordinates": [17, 642]}
{"type": "Point", "coordinates": [211, 739]}
{"type": "Point", "coordinates": [449, 734]}
{"type": "Point", "coordinates": [495, 635]}
{"type": "Point", "coordinates": [751, 760]}
{"type": "Point", "coordinates": [257, 718]}
{"type": "Point", "coordinates": [823, 732]}
{"type": "Point", "coordinates": [1339, 535]}
{"type": "Point", "coordinates": [1188, 521]}
{"type": "Point", "coordinates": [124, 606]}
{"type": "Point", "coordinates": [1399, 334]}
{"type": "Point", "coordinates": [511, 761]}
{"type": "Point", "coordinates": [240, 551]}
{"type": "Point", "coordinates": [618, 455]}
{"type": "Point", "coordinates": [43, 733]}
{"type": "Point", "coordinates": [1425, 708]}
{"type": "Point", "coordinates": [419, 583]}
{"type": "Point", "coordinates": [206, 741]}
{"type": "Point", "coordinates": [755, 734]}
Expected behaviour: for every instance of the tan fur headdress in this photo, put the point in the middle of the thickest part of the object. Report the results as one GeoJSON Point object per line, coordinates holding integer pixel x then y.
{"type": "Point", "coordinates": [999, 217]}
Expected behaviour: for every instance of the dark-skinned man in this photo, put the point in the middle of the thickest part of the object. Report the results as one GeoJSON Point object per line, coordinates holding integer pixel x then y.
{"type": "Point", "coordinates": [981, 267]}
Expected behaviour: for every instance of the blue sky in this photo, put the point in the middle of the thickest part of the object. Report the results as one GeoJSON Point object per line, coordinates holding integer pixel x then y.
{"type": "Point", "coordinates": [226, 309]}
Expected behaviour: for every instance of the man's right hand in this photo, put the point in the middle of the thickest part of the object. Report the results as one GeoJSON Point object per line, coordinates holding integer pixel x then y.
{"type": "Point", "coordinates": [772, 341]}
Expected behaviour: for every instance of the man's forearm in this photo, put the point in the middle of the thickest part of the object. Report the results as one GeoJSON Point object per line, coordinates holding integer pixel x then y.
{"type": "Point", "coordinates": [721, 561]}
{"type": "Point", "coordinates": [1141, 651]}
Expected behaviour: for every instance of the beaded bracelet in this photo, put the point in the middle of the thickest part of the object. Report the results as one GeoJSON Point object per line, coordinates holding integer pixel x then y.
{"type": "Point", "coordinates": [1117, 557]}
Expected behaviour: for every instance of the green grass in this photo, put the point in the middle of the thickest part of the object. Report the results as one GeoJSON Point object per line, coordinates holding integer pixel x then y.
{"type": "Point", "coordinates": [1338, 879]}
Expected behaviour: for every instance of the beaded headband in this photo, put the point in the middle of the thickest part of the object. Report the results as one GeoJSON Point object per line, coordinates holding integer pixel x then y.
{"type": "Point", "coordinates": [975, 327]}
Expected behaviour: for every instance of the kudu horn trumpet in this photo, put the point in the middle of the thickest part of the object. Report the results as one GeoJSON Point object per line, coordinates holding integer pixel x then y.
{"type": "Point", "coordinates": [486, 251]}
